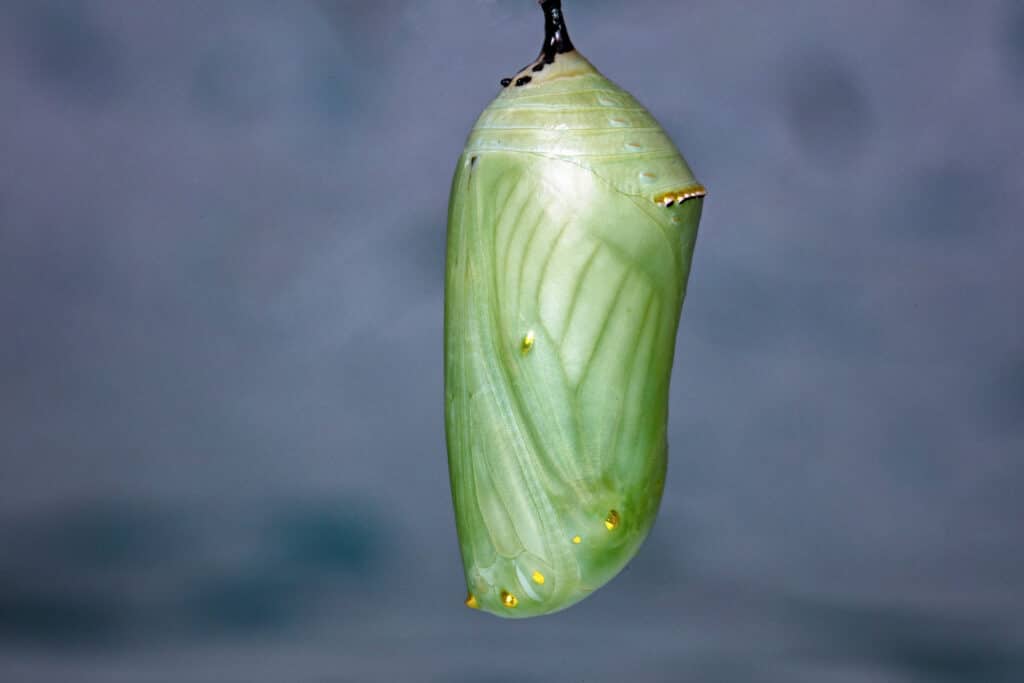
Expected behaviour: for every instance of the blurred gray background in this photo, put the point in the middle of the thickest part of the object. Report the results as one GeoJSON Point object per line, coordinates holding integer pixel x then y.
{"type": "Point", "coordinates": [221, 269]}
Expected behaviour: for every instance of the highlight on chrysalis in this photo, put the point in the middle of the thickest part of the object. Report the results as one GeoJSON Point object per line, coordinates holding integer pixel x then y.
{"type": "Point", "coordinates": [571, 226]}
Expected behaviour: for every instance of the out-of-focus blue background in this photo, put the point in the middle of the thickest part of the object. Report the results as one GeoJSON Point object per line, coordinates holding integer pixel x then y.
{"type": "Point", "coordinates": [221, 268]}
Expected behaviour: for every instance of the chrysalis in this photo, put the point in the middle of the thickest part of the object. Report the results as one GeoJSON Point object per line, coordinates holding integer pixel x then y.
{"type": "Point", "coordinates": [571, 225]}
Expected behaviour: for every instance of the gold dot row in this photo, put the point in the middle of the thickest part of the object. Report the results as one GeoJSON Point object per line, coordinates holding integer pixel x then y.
{"type": "Point", "coordinates": [667, 199]}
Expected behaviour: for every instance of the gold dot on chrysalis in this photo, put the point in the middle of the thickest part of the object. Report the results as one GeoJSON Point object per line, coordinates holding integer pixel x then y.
{"type": "Point", "coordinates": [612, 520]}
{"type": "Point", "coordinates": [471, 602]}
{"type": "Point", "coordinates": [577, 540]}
{"type": "Point", "coordinates": [538, 578]}
{"type": "Point", "coordinates": [528, 341]}
{"type": "Point", "coordinates": [508, 599]}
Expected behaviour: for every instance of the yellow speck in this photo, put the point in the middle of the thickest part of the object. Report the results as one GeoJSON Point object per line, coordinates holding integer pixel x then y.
{"type": "Point", "coordinates": [508, 599]}
{"type": "Point", "coordinates": [577, 540]}
{"type": "Point", "coordinates": [471, 602]}
{"type": "Point", "coordinates": [528, 341]}
{"type": "Point", "coordinates": [538, 578]}
{"type": "Point", "coordinates": [612, 520]}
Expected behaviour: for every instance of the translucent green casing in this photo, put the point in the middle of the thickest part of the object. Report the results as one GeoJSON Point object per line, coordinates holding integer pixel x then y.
{"type": "Point", "coordinates": [571, 225]}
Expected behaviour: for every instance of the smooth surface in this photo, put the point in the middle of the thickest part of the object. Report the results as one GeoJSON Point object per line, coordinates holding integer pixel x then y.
{"type": "Point", "coordinates": [564, 286]}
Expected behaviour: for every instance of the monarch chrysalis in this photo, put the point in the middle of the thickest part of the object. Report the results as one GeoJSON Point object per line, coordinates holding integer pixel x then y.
{"type": "Point", "coordinates": [571, 226]}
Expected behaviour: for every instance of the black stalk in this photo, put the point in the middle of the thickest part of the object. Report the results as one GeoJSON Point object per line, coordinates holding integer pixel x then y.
{"type": "Point", "coordinates": [556, 35]}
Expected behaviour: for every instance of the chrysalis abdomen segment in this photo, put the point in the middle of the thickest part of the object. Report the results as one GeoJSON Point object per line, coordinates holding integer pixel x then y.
{"type": "Point", "coordinates": [565, 281]}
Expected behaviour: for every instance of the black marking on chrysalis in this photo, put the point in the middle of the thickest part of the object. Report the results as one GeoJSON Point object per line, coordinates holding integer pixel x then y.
{"type": "Point", "coordinates": [556, 41]}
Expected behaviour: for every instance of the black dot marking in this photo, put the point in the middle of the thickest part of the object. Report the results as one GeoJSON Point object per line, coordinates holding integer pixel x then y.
{"type": "Point", "coordinates": [556, 40]}
{"type": "Point", "coordinates": [472, 161]}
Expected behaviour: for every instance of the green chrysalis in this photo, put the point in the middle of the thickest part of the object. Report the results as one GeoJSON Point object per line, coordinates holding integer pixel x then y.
{"type": "Point", "coordinates": [571, 226]}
